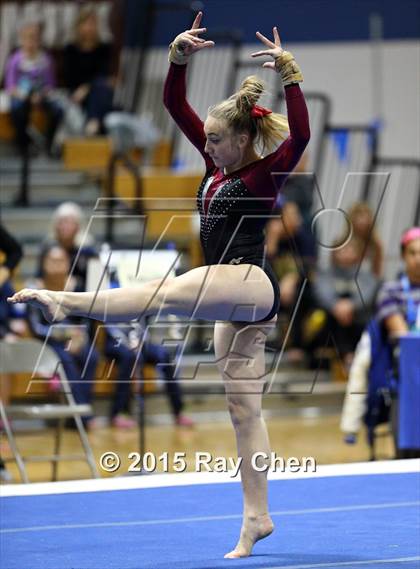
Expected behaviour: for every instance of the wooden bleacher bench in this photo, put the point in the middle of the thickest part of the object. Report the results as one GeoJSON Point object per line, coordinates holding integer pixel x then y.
{"type": "Point", "coordinates": [169, 203]}
{"type": "Point", "coordinates": [93, 154]}
{"type": "Point", "coordinates": [7, 132]}
{"type": "Point", "coordinates": [159, 184]}
{"type": "Point", "coordinates": [89, 155]}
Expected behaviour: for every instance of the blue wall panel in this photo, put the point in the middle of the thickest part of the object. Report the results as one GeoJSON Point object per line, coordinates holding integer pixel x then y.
{"type": "Point", "coordinates": [297, 20]}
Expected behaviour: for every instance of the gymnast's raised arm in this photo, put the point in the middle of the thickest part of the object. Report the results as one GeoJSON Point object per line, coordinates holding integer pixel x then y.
{"type": "Point", "coordinates": [287, 155]}
{"type": "Point", "coordinates": [174, 95]}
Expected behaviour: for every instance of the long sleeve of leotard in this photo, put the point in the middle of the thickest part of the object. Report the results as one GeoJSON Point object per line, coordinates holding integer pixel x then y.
{"type": "Point", "coordinates": [259, 179]}
{"type": "Point", "coordinates": [175, 100]}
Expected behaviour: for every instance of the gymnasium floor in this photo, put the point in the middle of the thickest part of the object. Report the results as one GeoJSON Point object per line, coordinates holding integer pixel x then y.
{"type": "Point", "coordinates": [353, 515]}
{"type": "Point", "coordinates": [304, 426]}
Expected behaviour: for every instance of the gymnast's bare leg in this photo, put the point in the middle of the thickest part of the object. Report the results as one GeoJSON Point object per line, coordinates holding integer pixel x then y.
{"type": "Point", "coordinates": [239, 350]}
{"type": "Point", "coordinates": [216, 292]}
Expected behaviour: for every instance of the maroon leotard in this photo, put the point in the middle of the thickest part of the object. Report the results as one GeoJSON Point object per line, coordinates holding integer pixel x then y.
{"type": "Point", "coordinates": [234, 208]}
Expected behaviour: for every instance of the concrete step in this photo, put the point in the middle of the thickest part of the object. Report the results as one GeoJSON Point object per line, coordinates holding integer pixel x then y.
{"type": "Point", "coordinates": [49, 184]}
{"type": "Point", "coordinates": [32, 224]}
{"type": "Point", "coordinates": [12, 164]}
{"type": "Point", "coordinates": [52, 195]}
{"type": "Point", "coordinates": [43, 179]}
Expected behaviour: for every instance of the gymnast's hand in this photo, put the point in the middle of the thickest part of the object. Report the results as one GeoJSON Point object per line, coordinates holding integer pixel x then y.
{"type": "Point", "coordinates": [48, 301]}
{"type": "Point", "coordinates": [284, 63]}
{"type": "Point", "coordinates": [275, 50]}
{"type": "Point", "coordinates": [188, 42]}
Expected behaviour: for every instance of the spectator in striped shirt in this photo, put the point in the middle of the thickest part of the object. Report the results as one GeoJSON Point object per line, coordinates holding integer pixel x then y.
{"type": "Point", "coordinates": [399, 312]}
{"type": "Point", "coordinates": [398, 304]}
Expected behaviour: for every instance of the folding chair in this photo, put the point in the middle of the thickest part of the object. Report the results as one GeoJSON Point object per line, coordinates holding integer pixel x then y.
{"type": "Point", "coordinates": [35, 357]}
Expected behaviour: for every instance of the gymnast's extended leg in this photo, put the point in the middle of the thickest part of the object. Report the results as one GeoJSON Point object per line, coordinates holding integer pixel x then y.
{"type": "Point", "coordinates": [216, 292]}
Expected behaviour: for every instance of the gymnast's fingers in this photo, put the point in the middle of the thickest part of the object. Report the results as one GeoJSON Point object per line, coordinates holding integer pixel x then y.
{"type": "Point", "coordinates": [265, 40]}
{"type": "Point", "coordinates": [197, 21]}
{"type": "Point", "coordinates": [195, 31]}
{"type": "Point", "coordinates": [277, 39]}
{"type": "Point", "coordinates": [262, 52]}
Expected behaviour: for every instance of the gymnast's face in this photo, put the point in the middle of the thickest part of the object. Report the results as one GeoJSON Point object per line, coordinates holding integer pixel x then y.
{"type": "Point", "coordinates": [411, 258]}
{"type": "Point", "coordinates": [224, 147]}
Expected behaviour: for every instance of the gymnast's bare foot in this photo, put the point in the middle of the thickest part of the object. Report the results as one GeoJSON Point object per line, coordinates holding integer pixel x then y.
{"type": "Point", "coordinates": [253, 529]}
{"type": "Point", "coordinates": [47, 300]}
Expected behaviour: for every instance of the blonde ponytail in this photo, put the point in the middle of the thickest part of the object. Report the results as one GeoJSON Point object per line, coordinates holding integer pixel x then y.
{"type": "Point", "coordinates": [249, 93]}
{"type": "Point", "coordinates": [266, 131]}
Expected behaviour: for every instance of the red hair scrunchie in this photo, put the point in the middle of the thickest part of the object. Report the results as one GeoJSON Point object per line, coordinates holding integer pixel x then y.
{"type": "Point", "coordinates": [258, 112]}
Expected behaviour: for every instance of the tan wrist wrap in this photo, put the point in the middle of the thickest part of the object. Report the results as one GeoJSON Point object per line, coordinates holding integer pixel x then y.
{"type": "Point", "coordinates": [176, 54]}
{"type": "Point", "coordinates": [288, 68]}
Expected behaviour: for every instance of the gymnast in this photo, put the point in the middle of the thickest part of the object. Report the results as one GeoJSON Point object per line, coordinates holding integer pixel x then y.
{"type": "Point", "coordinates": [236, 288]}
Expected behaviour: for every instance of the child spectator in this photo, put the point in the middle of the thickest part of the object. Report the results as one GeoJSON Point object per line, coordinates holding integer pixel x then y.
{"type": "Point", "coordinates": [71, 339]}
{"type": "Point", "coordinates": [29, 81]}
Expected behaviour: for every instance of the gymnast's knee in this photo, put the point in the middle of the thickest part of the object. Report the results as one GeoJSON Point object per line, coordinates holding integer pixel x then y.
{"type": "Point", "coordinates": [242, 412]}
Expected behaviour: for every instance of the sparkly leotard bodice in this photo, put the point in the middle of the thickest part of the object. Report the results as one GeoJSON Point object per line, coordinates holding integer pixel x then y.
{"type": "Point", "coordinates": [232, 221]}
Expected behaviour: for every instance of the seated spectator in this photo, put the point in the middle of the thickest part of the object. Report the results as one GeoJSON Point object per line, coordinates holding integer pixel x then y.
{"type": "Point", "coordinates": [122, 344]}
{"type": "Point", "coordinates": [10, 254]}
{"type": "Point", "coordinates": [87, 71]}
{"type": "Point", "coordinates": [290, 248]}
{"type": "Point", "coordinates": [367, 240]}
{"type": "Point", "coordinates": [66, 232]}
{"type": "Point", "coordinates": [299, 189]}
{"type": "Point", "coordinates": [346, 294]}
{"type": "Point", "coordinates": [71, 339]}
{"type": "Point", "coordinates": [11, 324]}
{"type": "Point", "coordinates": [67, 225]}
{"type": "Point", "coordinates": [12, 327]}
{"type": "Point", "coordinates": [399, 300]}
{"type": "Point", "coordinates": [398, 308]}
{"type": "Point", "coordinates": [30, 81]}
{"type": "Point", "coordinates": [292, 251]}
{"type": "Point", "coordinates": [374, 371]}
